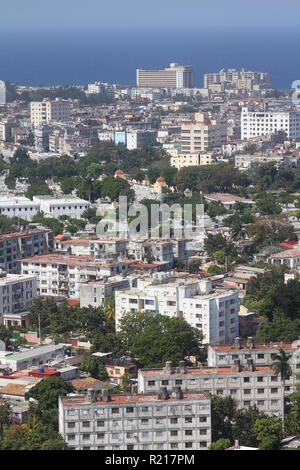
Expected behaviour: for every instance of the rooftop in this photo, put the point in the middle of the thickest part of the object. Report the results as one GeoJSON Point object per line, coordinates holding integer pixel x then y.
{"type": "Point", "coordinates": [203, 371]}
{"type": "Point", "coordinates": [120, 399]}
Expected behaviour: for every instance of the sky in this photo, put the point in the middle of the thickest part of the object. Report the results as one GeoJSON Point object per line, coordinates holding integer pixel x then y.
{"type": "Point", "coordinates": [150, 14]}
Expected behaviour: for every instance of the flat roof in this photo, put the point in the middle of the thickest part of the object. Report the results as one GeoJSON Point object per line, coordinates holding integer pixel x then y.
{"type": "Point", "coordinates": [257, 347]}
{"type": "Point", "coordinates": [134, 399]}
{"type": "Point", "coordinates": [203, 371]}
{"type": "Point", "coordinates": [35, 352]}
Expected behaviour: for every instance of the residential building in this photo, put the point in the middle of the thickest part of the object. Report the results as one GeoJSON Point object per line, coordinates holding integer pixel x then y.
{"type": "Point", "coordinates": [96, 292]}
{"type": "Point", "coordinates": [98, 247]}
{"type": "Point", "coordinates": [261, 123]}
{"type": "Point", "coordinates": [139, 138]}
{"type": "Point", "coordinates": [290, 258]}
{"type": "Point", "coordinates": [18, 245]}
{"type": "Point", "coordinates": [181, 160]}
{"type": "Point", "coordinates": [46, 111]}
{"type": "Point", "coordinates": [260, 354]}
{"type": "Point", "coordinates": [62, 275]}
{"type": "Point", "coordinates": [175, 76]}
{"type": "Point", "coordinates": [214, 313]}
{"type": "Point", "coordinates": [202, 134]}
{"type": "Point", "coordinates": [16, 294]}
{"type": "Point", "coordinates": [161, 421]}
{"type": "Point", "coordinates": [249, 385]}
{"type": "Point", "coordinates": [237, 78]}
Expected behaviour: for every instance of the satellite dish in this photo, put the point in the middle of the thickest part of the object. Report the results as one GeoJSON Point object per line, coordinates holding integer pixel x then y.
{"type": "Point", "coordinates": [2, 346]}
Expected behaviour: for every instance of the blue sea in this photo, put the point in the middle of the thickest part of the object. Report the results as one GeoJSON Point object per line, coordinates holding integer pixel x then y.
{"type": "Point", "coordinates": [82, 57]}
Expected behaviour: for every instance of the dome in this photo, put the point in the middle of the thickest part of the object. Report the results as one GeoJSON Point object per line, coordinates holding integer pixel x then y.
{"type": "Point", "coordinates": [160, 180]}
{"type": "Point", "coordinates": [119, 172]}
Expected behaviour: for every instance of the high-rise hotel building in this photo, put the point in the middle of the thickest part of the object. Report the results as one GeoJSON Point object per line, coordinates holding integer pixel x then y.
{"type": "Point", "coordinates": [175, 76]}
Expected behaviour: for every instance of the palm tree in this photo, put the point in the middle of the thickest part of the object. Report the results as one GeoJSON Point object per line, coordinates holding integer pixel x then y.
{"type": "Point", "coordinates": [282, 367]}
{"type": "Point", "coordinates": [109, 308]}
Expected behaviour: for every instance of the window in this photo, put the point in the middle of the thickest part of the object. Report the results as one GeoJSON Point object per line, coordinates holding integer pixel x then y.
{"type": "Point", "coordinates": [71, 425]}
{"type": "Point", "coordinates": [174, 433]}
{"type": "Point", "coordinates": [203, 419]}
{"type": "Point", "coordinates": [178, 382]}
{"type": "Point", "coordinates": [188, 419]}
{"type": "Point", "coordinates": [188, 432]}
{"type": "Point", "coordinates": [274, 390]}
{"type": "Point", "coordinates": [165, 382]}
{"type": "Point", "coordinates": [151, 383]}
{"type": "Point", "coordinates": [115, 411]}
{"type": "Point", "coordinates": [71, 437]}
{"type": "Point", "coordinates": [144, 409]}
{"type": "Point", "coordinates": [203, 432]}
{"type": "Point", "coordinates": [100, 435]}
{"type": "Point", "coordinates": [130, 409]}
{"type": "Point", "coordinates": [247, 391]}
{"type": "Point", "coordinates": [203, 444]}
{"type": "Point", "coordinates": [260, 379]}
{"type": "Point", "coordinates": [144, 421]}
{"type": "Point", "coordinates": [246, 379]}
{"type": "Point", "coordinates": [189, 445]}
{"type": "Point", "coordinates": [86, 437]}
{"type": "Point", "coordinates": [86, 424]}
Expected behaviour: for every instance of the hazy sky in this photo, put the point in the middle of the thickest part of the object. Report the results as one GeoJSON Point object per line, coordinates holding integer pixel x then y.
{"type": "Point", "coordinates": [100, 14]}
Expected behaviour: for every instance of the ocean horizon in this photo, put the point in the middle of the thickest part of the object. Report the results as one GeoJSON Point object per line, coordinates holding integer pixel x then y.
{"type": "Point", "coordinates": [52, 58]}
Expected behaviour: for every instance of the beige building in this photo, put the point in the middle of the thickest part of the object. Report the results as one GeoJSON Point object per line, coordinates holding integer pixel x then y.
{"type": "Point", "coordinates": [46, 111]}
{"type": "Point", "coordinates": [202, 134]}
{"type": "Point", "coordinates": [191, 159]}
{"type": "Point", "coordinates": [175, 76]}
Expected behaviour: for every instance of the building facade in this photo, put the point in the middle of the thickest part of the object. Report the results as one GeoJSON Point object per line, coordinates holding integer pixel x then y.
{"type": "Point", "coordinates": [162, 421]}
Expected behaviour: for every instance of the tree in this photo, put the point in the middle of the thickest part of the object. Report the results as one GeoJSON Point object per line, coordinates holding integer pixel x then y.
{"type": "Point", "coordinates": [194, 266]}
{"type": "Point", "coordinates": [155, 339]}
{"type": "Point", "coordinates": [270, 229]}
{"type": "Point", "coordinates": [220, 444]}
{"type": "Point", "coordinates": [31, 436]}
{"type": "Point", "coordinates": [268, 433]}
{"type": "Point", "coordinates": [5, 335]}
{"type": "Point", "coordinates": [282, 367]}
{"type": "Point", "coordinates": [223, 411]}
{"type": "Point", "coordinates": [243, 425]}
{"type": "Point", "coordinates": [94, 366]}
{"type": "Point", "coordinates": [4, 417]}
{"type": "Point", "coordinates": [47, 392]}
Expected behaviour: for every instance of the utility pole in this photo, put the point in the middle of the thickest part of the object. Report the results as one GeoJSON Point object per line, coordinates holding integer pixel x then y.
{"type": "Point", "coordinates": [40, 331]}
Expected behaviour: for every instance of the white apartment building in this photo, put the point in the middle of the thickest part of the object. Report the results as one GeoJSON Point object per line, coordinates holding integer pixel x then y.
{"type": "Point", "coordinates": [260, 123]}
{"type": "Point", "coordinates": [238, 78]}
{"type": "Point", "coordinates": [139, 138]}
{"type": "Point", "coordinates": [249, 385]}
{"type": "Point", "coordinates": [214, 313]}
{"type": "Point", "coordinates": [260, 354]}
{"type": "Point", "coordinates": [54, 207]}
{"type": "Point", "coordinates": [46, 111]}
{"type": "Point", "coordinates": [162, 421]}
{"type": "Point", "coordinates": [101, 87]}
{"type": "Point", "coordinates": [202, 134]}
{"type": "Point", "coordinates": [181, 160]}
{"type": "Point", "coordinates": [62, 275]}
{"type": "Point", "coordinates": [18, 206]}
{"type": "Point", "coordinates": [99, 247]}
{"type": "Point", "coordinates": [96, 292]}
{"type": "Point", "coordinates": [16, 292]}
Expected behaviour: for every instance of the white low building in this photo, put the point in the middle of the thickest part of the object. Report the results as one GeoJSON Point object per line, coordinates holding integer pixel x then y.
{"type": "Point", "coordinates": [18, 206]}
{"type": "Point", "coordinates": [54, 207]}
